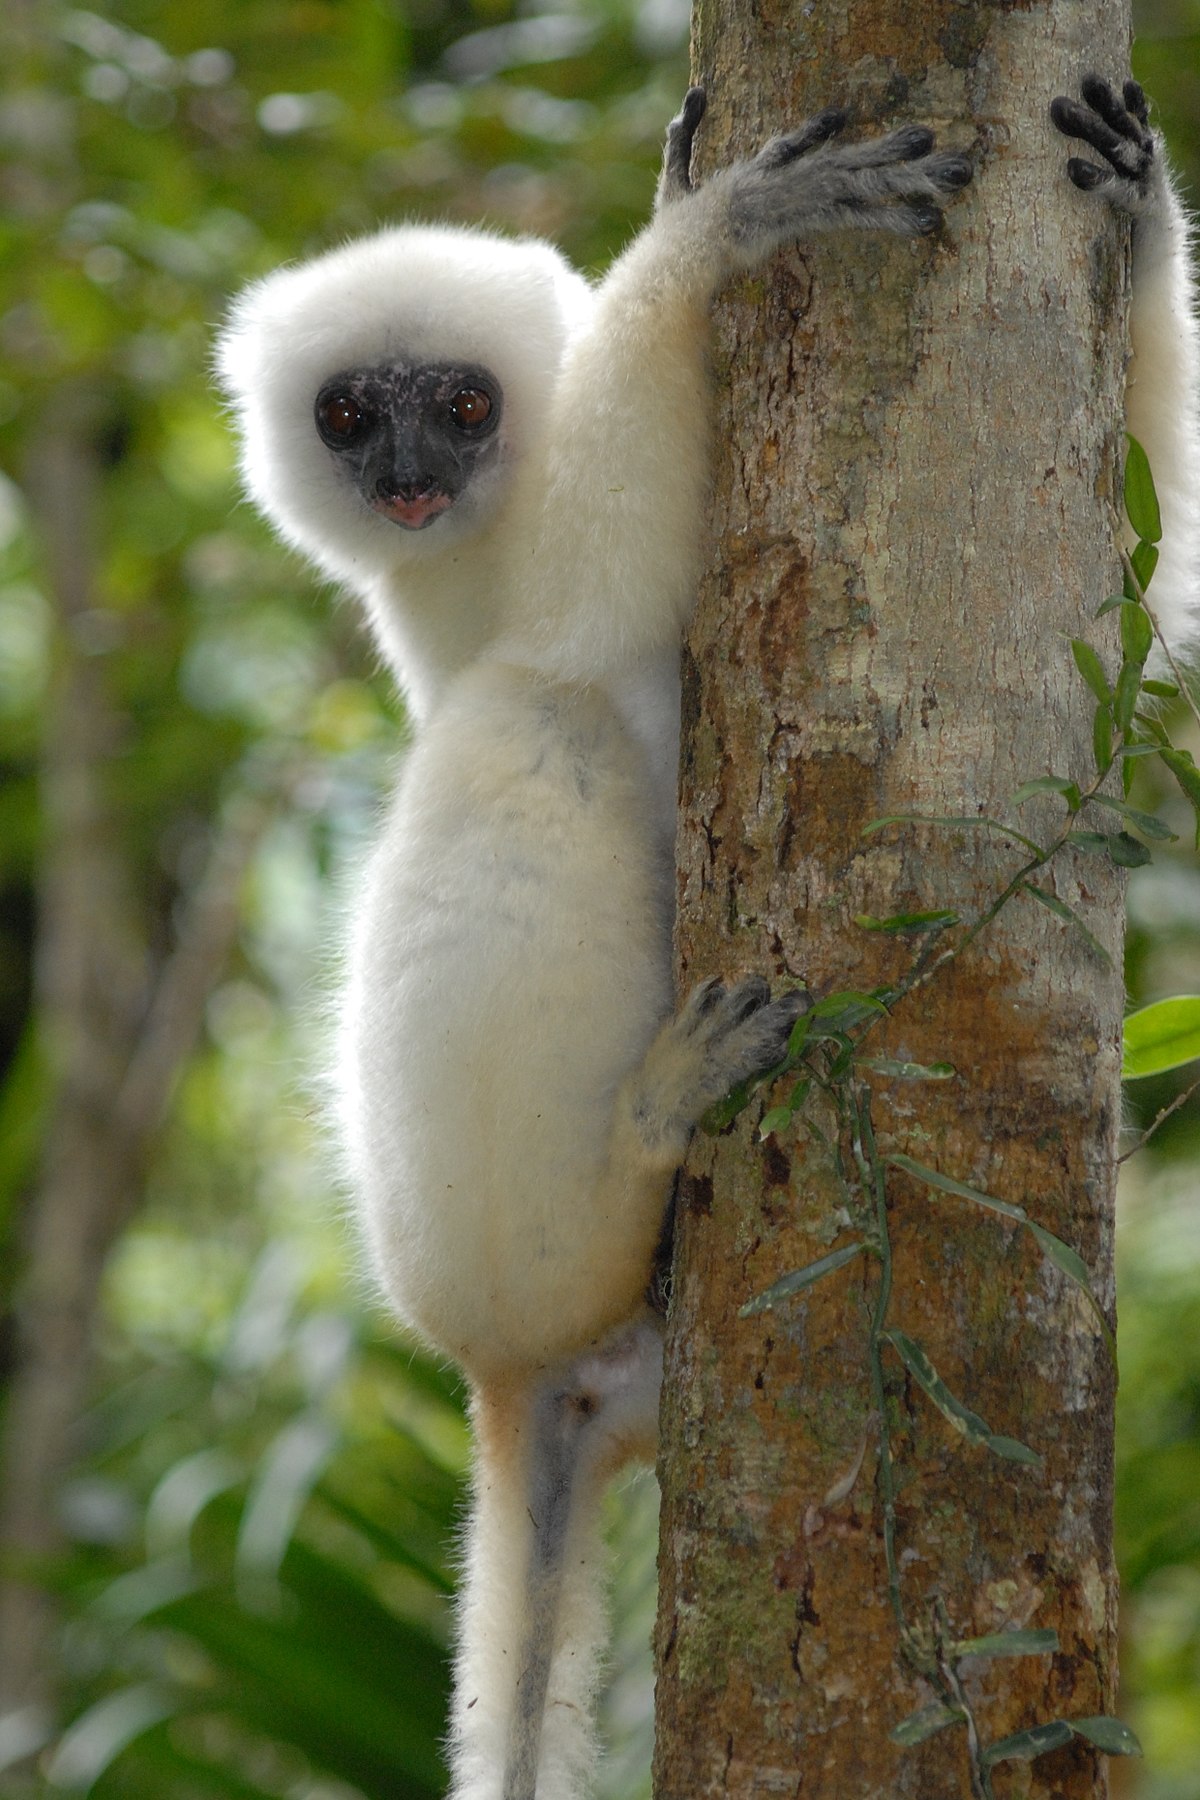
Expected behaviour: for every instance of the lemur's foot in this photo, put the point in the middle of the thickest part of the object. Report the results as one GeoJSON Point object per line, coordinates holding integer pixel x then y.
{"type": "Point", "coordinates": [719, 1037]}
{"type": "Point", "coordinates": [1119, 131]}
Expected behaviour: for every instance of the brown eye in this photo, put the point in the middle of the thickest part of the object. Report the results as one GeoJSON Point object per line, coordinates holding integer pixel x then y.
{"type": "Point", "coordinates": [471, 408]}
{"type": "Point", "coordinates": [340, 419]}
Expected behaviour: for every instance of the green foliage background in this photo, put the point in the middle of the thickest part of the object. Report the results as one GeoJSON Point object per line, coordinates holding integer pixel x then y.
{"type": "Point", "coordinates": [258, 1522]}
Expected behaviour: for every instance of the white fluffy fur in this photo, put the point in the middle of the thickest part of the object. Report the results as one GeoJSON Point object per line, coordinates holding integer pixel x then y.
{"type": "Point", "coordinates": [1162, 403]}
{"type": "Point", "coordinates": [515, 1093]}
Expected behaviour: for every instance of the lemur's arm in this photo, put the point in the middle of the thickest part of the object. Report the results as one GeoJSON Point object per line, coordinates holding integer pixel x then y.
{"type": "Point", "coordinates": [1162, 403]}
{"type": "Point", "coordinates": [632, 401]}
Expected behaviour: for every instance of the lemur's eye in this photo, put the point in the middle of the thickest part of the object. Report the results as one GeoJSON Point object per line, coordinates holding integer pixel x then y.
{"type": "Point", "coordinates": [340, 419]}
{"type": "Point", "coordinates": [471, 408]}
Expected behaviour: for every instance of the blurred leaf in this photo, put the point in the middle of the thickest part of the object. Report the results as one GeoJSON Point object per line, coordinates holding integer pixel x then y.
{"type": "Point", "coordinates": [1163, 1035]}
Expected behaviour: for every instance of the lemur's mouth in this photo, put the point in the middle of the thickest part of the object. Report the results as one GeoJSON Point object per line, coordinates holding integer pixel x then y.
{"type": "Point", "coordinates": [413, 509]}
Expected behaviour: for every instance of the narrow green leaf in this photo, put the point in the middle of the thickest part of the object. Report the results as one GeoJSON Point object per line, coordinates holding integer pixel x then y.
{"type": "Point", "coordinates": [935, 1179]}
{"type": "Point", "coordinates": [1009, 1643]}
{"type": "Point", "coordinates": [799, 1279]}
{"type": "Point", "coordinates": [1162, 690]}
{"type": "Point", "coordinates": [1129, 750]}
{"type": "Point", "coordinates": [1145, 561]}
{"type": "Point", "coordinates": [907, 1071]}
{"type": "Point", "coordinates": [1107, 1734]}
{"type": "Point", "coordinates": [1163, 1035]}
{"type": "Point", "coordinates": [1012, 1450]}
{"type": "Point", "coordinates": [1141, 501]}
{"type": "Point", "coordinates": [92, 1743]}
{"type": "Point", "coordinates": [849, 1000]}
{"type": "Point", "coordinates": [1125, 699]}
{"type": "Point", "coordinates": [1063, 1256]}
{"type": "Point", "coordinates": [1128, 852]}
{"type": "Point", "coordinates": [963, 1419]}
{"type": "Point", "coordinates": [1137, 634]}
{"type": "Point", "coordinates": [953, 819]}
{"type": "Point", "coordinates": [1155, 727]}
{"type": "Point", "coordinates": [1023, 1746]}
{"type": "Point", "coordinates": [1049, 784]}
{"type": "Point", "coordinates": [1115, 600]}
{"type": "Point", "coordinates": [918, 921]}
{"type": "Point", "coordinates": [1102, 731]}
{"type": "Point", "coordinates": [1147, 823]}
{"type": "Point", "coordinates": [1091, 668]}
{"type": "Point", "coordinates": [1092, 843]}
{"type": "Point", "coordinates": [1187, 775]}
{"type": "Point", "coordinates": [968, 1423]}
{"type": "Point", "coordinates": [1061, 910]}
{"type": "Point", "coordinates": [921, 1725]}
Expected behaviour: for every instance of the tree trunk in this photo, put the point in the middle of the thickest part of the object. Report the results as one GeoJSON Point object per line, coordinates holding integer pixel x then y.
{"type": "Point", "coordinates": [919, 441]}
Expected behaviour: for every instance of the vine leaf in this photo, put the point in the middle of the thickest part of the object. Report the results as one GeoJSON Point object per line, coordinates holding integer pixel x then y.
{"type": "Point", "coordinates": [921, 1725]}
{"type": "Point", "coordinates": [1144, 561]}
{"type": "Point", "coordinates": [1023, 1746]}
{"type": "Point", "coordinates": [1105, 1733]}
{"type": "Point", "coordinates": [1009, 1643]}
{"type": "Point", "coordinates": [1061, 910]}
{"type": "Point", "coordinates": [1149, 823]}
{"type": "Point", "coordinates": [1164, 1035]}
{"type": "Point", "coordinates": [969, 1423]}
{"type": "Point", "coordinates": [973, 821]}
{"type": "Point", "coordinates": [1060, 1254]}
{"type": "Point", "coordinates": [1108, 1734]}
{"type": "Point", "coordinates": [907, 1071]}
{"type": "Point", "coordinates": [1141, 500]}
{"type": "Point", "coordinates": [1092, 669]}
{"type": "Point", "coordinates": [917, 921]}
{"type": "Point", "coordinates": [799, 1279]}
{"type": "Point", "coordinates": [1049, 784]}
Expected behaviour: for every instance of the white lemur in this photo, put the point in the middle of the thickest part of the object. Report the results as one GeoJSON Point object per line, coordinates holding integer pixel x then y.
{"type": "Point", "coordinates": [509, 467]}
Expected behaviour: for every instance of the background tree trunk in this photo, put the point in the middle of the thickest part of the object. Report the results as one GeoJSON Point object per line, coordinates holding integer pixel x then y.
{"type": "Point", "coordinates": [910, 521]}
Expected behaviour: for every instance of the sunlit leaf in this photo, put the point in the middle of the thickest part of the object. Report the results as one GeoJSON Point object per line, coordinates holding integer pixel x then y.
{"type": "Point", "coordinates": [1163, 1035]}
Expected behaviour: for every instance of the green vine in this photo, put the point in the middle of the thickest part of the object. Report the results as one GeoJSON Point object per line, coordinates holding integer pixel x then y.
{"type": "Point", "coordinates": [830, 1055]}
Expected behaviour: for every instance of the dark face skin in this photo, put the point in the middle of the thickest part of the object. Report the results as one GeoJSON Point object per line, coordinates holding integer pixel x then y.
{"type": "Point", "coordinates": [411, 438]}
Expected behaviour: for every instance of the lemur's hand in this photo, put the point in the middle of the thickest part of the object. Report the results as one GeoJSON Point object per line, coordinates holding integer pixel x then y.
{"type": "Point", "coordinates": [1119, 130]}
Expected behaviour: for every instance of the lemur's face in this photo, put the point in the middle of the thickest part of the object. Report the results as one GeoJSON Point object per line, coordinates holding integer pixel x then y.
{"type": "Point", "coordinates": [411, 437]}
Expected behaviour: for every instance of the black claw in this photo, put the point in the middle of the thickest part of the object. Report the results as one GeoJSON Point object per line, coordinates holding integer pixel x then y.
{"type": "Point", "coordinates": [749, 996]}
{"type": "Point", "coordinates": [1086, 175]}
{"type": "Point", "coordinates": [953, 171]}
{"type": "Point", "coordinates": [1136, 102]}
{"type": "Point", "coordinates": [927, 220]}
{"type": "Point", "coordinates": [911, 141]}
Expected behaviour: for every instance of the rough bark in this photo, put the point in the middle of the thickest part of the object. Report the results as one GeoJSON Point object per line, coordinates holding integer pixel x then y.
{"type": "Point", "coordinates": [910, 520]}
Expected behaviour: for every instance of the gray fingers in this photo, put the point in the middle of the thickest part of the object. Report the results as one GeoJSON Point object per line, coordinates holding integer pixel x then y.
{"type": "Point", "coordinates": [803, 183]}
{"type": "Point", "coordinates": [676, 178]}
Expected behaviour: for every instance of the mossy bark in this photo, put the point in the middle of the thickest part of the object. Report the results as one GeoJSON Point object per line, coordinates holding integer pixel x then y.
{"type": "Point", "coordinates": [920, 442]}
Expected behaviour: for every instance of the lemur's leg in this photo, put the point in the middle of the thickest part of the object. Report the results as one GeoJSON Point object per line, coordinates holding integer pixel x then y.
{"type": "Point", "coordinates": [586, 1421]}
{"type": "Point", "coordinates": [1162, 401]}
